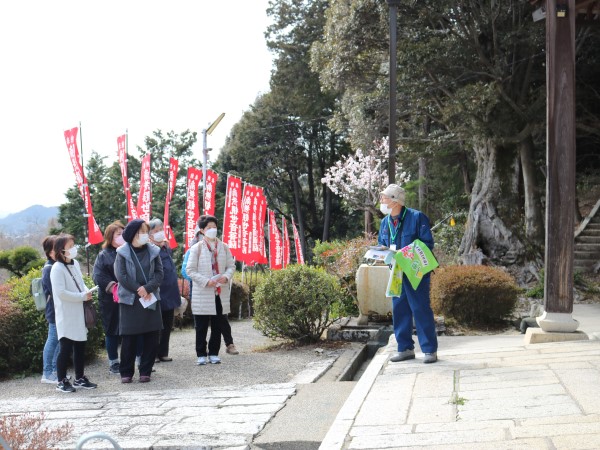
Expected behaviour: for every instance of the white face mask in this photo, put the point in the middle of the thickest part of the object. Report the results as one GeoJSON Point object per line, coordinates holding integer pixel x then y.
{"type": "Point", "coordinates": [159, 236]}
{"type": "Point", "coordinates": [211, 233]}
{"type": "Point", "coordinates": [118, 241]}
{"type": "Point", "coordinates": [385, 209]}
{"type": "Point", "coordinates": [143, 238]}
{"type": "Point", "coordinates": [71, 253]}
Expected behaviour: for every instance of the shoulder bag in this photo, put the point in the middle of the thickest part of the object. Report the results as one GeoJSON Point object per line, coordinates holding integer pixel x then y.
{"type": "Point", "coordinates": [89, 309]}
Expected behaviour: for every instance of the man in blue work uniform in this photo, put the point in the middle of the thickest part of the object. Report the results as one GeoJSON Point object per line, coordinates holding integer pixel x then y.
{"type": "Point", "coordinates": [399, 228]}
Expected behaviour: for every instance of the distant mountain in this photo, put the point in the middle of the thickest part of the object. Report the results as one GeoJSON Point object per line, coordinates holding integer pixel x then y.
{"type": "Point", "coordinates": [30, 220]}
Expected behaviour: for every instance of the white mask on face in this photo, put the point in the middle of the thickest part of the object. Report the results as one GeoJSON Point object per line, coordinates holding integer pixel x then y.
{"type": "Point", "coordinates": [143, 238]}
{"type": "Point", "coordinates": [71, 253]}
{"type": "Point", "coordinates": [118, 241]}
{"type": "Point", "coordinates": [159, 236]}
{"type": "Point", "coordinates": [385, 209]}
{"type": "Point", "coordinates": [211, 233]}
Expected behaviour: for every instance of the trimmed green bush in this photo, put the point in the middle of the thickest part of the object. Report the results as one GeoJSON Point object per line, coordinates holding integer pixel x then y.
{"type": "Point", "coordinates": [296, 303]}
{"type": "Point", "coordinates": [473, 295]}
{"type": "Point", "coordinates": [24, 330]}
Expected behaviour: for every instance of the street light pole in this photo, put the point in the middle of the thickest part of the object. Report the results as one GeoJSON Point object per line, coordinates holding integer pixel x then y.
{"type": "Point", "coordinates": [393, 5]}
{"type": "Point", "coordinates": [205, 150]}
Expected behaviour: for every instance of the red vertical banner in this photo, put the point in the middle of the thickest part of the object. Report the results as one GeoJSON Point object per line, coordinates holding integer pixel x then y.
{"type": "Point", "coordinates": [286, 243]}
{"type": "Point", "coordinates": [191, 205]}
{"type": "Point", "coordinates": [232, 222]}
{"type": "Point", "coordinates": [275, 248]}
{"type": "Point", "coordinates": [144, 204]}
{"type": "Point", "coordinates": [94, 234]}
{"type": "Point", "coordinates": [173, 168]}
{"type": "Point", "coordinates": [210, 191]}
{"type": "Point", "coordinates": [122, 153]}
{"type": "Point", "coordinates": [246, 229]}
{"type": "Point", "coordinates": [261, 257]}
{"type": "Point", "coordinates": [298, 244]}
{"type": "Point", "coordinates": [255, 234]}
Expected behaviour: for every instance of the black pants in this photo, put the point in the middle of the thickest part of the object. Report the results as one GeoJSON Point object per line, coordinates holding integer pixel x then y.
{"type": "Point", "coordinates": [165, 334]}
{"type": "Point", "coordinates": [218, 325]}
{"type": "Point", "coordinates": [226, 330]}
{"type": "Point", "coordinates": [68, 348]}
{"type": "Point", "coordinates": [128, 351]}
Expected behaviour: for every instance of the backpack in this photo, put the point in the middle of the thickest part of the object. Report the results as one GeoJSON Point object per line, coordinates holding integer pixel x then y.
{"type": "Point", "coordinates": [37, 291]}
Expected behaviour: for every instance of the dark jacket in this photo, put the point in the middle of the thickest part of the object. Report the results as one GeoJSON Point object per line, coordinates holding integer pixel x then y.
{"type": "Point", "coordinates": [134, 319]}
{"type": "Point", "coordinates": [47, 286]}
{"type": "Point", "coordinates": [126, 273]}
{"type": "Point", "coordinates": [104, 277]}
{"type": "Point", "coordinates": [170, 297]}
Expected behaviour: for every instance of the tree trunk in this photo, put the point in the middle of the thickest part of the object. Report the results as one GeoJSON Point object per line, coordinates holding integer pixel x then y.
{"type": "Point", "coordinates": [368, 223]}
{"type": "Point", "coordinates": [422, 185]}
{"type": "Point", "coordinates": [485, 230]}
{"type": "Point", "coordinates": [326, 214]}
{"type": "Point", "coordinates": [464, 168]}
{"type": "Point", "coordinates": [534, 222]}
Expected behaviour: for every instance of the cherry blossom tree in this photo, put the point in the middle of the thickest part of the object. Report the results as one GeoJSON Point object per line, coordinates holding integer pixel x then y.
{"type": "Point", "coordinates": [360, 178]}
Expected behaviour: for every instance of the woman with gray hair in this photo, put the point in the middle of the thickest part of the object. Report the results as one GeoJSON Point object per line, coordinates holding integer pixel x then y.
{"type": "Point", "coordinates": [169, 288]}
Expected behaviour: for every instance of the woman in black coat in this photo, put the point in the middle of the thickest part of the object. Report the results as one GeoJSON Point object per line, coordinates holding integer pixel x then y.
{"type": "Point", "coordinates": [104, 277]}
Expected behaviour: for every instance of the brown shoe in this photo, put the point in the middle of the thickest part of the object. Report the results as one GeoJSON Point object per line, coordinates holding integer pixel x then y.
{"type": "Point", "coordinates": [232, 350]}
{"type": "Point", "coordinates": [144, 378]}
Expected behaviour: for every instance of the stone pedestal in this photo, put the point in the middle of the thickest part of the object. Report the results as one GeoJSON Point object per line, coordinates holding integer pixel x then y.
{"type": "Point", "coordinates": [371, 282]}
{"type": "Point", "coordinates": [557, 322]}
{"type": "Point", "coordinates": [538, 336]}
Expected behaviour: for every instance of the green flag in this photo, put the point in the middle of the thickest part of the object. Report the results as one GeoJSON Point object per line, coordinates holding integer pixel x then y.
{"type": "Point", "coordinates": [416, 260]}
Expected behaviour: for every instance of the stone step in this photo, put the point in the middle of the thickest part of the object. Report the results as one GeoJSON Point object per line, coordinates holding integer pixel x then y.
{"type": "Point", "coordinates": [586, 256]}
{"type": "Point", "coordinates": [588, 239]}
{"type": "Point", "coordinates": [590, 232]}
{"type": "Point", "coordinates": [581, 247]}
{"type": "Point", "coordinates": [593, 225]}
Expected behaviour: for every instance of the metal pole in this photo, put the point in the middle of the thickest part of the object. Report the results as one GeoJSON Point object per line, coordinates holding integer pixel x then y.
{"type": "Point", "coordinates": [204, 163]}
{"type": "Point", "coordinates": [85, 213]}
{"type": "Point", "coordinates": [393, 4]}
{"type": "Point", "coordinates": [205, 150]}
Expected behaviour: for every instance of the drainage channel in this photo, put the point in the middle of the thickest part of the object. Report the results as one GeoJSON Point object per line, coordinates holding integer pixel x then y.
{"type": "Point", "coordinates": [360, 360]}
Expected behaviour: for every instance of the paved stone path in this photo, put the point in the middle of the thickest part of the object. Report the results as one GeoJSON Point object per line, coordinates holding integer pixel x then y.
{"type": "Point", "coordinates": [223, 417]}
{"type": "Point", "coordinates": [542, 396]}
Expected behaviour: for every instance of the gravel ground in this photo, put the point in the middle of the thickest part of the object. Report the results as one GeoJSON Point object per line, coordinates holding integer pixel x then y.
{"type": "Point", "coordinates": [253, 365]}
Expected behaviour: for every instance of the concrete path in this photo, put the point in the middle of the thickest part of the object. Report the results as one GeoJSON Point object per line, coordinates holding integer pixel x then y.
{"type": "Point", "coordinates": [485, 392]}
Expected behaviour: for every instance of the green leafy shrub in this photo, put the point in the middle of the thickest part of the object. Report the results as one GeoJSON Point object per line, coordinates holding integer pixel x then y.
{"type": "Point", "coordinates": [296, 303]}
{"type": "Point", "coordinates": [473, 295]}
{"type": "Point", "coordinates": [25, 329]}
{"type": "Point", "coordinates": [342, 259]}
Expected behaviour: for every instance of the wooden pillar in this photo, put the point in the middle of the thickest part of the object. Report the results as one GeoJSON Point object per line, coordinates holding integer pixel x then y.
{"type": "Point", "coordinates": [560, 157]}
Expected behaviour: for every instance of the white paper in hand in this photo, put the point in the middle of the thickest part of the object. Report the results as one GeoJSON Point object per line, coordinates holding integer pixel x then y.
{"type": "Point", "coordinates": [145, 303]}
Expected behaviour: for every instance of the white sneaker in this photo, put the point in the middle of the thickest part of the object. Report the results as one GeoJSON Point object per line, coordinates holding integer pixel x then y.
{"type": "Point", "coordinates": [201, 360]}
{"type": "Point", "coordinates": [214, 359]}
{"type": "Point", "coordinates": [49, 379]}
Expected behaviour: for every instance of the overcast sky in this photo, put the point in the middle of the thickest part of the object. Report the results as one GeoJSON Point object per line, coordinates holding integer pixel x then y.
{"type": "Point", "coordinates": [117, 65]}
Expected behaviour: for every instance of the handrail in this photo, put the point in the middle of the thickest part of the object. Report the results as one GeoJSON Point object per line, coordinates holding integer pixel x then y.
{"type": "Point", "coordinates": [589, 217]}
{"type": "Point", "coordinates": [97, 435]}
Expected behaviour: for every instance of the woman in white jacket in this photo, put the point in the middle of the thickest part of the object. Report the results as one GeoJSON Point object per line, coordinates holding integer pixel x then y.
{"type": "Point", "coordinates": [69, 293]}
{"type": "Point", "coordinates": [211, 266]}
